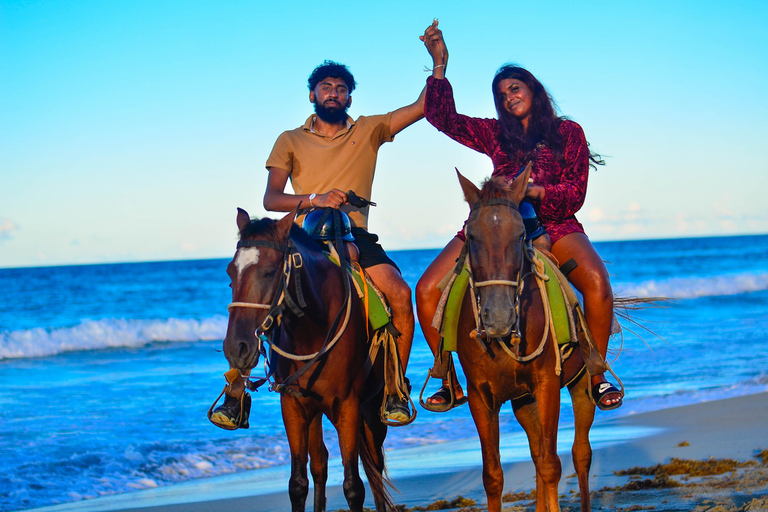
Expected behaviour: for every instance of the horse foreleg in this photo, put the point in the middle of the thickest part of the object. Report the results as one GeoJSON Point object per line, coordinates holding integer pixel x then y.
{"type": "Point", "coordinates": [527, 414]}
{"type": "Point", "coordinates": [487, 424]}
{"type": "Point", "coordinates": [548, 466]}
{"type": "Point", "coordinates": [318, 461]}
{"type": "Point", "coordinates": [297, 431]}
{"type": "Point", "coordinates": [348, 427]}
{"type": "Point", "coordinates": [584, 415]}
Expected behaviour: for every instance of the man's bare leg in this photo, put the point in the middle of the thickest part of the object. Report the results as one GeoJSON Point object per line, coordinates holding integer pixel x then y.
{"type": "Point", "coordinates": [388, 280]}
{"type": "Point", "coordinates": [391, 283]}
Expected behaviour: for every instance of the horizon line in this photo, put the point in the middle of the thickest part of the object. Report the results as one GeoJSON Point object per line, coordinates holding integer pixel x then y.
{"type": "Point", "coordinates": [140, 261]}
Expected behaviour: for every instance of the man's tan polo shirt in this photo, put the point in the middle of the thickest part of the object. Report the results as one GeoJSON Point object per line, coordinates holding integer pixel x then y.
{"type": "Point", "coordinates": [347, 161]}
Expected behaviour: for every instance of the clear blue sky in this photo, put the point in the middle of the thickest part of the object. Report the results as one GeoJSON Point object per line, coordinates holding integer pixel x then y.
{"type": "Point", "coordinates": [132, 130]}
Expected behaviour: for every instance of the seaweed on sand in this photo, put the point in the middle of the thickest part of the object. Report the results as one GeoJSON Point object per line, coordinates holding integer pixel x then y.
{"type": "Point", "coordinates": [458, 502]}
{"type": "Point", "coordinates": [688, 467]}
{"type": "Point", "coordinates": [518, 496]}
{"type": "Point", "coordinates": [657, 482]}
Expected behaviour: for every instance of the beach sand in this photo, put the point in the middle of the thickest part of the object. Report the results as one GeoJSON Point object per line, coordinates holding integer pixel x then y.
{"type": "Point", "coordinates": [733, 428]}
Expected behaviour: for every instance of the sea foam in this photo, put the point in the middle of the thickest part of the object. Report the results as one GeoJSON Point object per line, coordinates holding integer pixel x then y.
{"type": "Point", "coordinates": [695, 287]}
{"type": "Point", "coordinates": [108, 333]}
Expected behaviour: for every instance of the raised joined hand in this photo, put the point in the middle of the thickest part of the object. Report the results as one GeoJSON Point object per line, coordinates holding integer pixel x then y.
{"type": "Point", "coordinates": [433, 40]}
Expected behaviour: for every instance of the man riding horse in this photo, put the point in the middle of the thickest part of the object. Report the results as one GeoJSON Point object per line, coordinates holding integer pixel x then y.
{"type": "Point", "coordinates": [330, 154]}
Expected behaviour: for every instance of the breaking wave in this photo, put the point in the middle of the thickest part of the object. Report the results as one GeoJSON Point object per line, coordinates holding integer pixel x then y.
{"type": "Point", "coordinates": [108, 333]}
{"type": "Point", "coordinates": [695, 287]}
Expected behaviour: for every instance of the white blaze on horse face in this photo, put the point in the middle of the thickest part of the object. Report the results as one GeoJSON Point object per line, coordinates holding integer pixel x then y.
{"type": "Point", "coordinates": [245, 257]}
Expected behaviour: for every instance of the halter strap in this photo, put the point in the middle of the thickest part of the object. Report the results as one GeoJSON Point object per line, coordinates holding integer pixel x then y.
{"type": "Point", "coordinates": [252, 305]}
{"type": "Point", "coordinates": [497, 281]}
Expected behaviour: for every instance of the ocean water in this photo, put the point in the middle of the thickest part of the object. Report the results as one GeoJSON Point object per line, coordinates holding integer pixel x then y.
{"type": "Point", "coordinates": [107, 371]}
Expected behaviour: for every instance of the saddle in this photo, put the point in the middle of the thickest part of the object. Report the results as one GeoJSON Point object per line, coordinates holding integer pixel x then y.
{"type": "Point", "coordinates": [561, 296]}
{"type": "Point", "coordinates": [570, 326]}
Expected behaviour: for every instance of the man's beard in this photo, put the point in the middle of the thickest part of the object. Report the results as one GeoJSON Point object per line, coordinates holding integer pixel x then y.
{"type": "Point", "coordinates": [332, 115]}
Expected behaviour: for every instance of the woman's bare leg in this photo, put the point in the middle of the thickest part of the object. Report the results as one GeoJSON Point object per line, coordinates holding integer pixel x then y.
{"type": "Point", "coordinates": [591, 278]}
{"type": "Point", "coordinates": [428, 297]}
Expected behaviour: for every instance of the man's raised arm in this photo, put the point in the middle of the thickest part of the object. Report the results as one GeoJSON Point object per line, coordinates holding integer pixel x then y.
{"type": "Point", "coordinates": [404, 117]}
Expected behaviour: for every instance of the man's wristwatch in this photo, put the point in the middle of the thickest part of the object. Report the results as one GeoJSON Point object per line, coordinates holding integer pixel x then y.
{"type": "Point", "coordinates": [311, 197]}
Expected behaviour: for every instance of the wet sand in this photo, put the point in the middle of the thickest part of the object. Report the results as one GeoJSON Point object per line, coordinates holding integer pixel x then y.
{"type": "Point", "coordinates": [734, 428]}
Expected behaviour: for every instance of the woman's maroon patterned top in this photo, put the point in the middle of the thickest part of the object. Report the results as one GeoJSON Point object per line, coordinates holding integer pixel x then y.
{"type": "Point", "coordinates": [565, 183]}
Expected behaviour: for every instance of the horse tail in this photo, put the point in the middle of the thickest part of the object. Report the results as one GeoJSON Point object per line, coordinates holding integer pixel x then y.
{"type": "Point", "coordinates": [377, 480]}
{"type": "Point", "coordinates": [623, 309]}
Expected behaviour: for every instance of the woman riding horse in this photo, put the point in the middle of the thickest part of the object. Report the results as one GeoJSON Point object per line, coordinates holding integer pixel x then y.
{"type": "Point", "coordinates": [527, 130]}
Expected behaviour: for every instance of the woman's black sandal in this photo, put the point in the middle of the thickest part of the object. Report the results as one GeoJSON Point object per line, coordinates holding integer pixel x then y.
{"type": "Point", "coordinates": [601, 390]}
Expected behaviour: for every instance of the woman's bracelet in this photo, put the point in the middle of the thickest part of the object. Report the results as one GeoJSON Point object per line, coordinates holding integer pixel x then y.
{"type": "Point", "coordinates": [429, 70]}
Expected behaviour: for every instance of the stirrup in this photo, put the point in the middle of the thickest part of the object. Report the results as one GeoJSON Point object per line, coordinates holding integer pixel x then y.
{"type": "Point", "coordinates": [231, 421]}
{"type": "Point", "coordinates": [225, 417]}
{"type": "Point", "coordinates": [404, 396]}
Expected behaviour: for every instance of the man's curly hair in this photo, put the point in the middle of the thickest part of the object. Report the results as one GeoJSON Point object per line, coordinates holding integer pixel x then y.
{"type": "Point", "coordinates": [331, 69]}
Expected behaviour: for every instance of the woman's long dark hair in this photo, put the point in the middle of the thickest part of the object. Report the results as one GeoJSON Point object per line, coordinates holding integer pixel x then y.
{"type": "Point", "coordinates": [542, 126]}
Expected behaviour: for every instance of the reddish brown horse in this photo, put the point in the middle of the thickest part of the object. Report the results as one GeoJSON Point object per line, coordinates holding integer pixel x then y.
{"type": "Point", "coordinates": [510, 311]}
{"type": "Point", "coordinates": [318, 355]}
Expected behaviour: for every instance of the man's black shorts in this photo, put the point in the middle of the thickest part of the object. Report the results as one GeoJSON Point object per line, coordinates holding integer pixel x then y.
{"type": "Point", "coordinates": [371, 252]}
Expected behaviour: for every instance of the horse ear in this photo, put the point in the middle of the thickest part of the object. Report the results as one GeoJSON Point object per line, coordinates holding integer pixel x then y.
{"type": "Point", "coordinates": [520, 184]}
{"type": "Point", "coordinates": [243, 219]}
{"type": "Point", "coordinates": [471, 192]}
{"type": "Point", "coordinates": [284, 225]}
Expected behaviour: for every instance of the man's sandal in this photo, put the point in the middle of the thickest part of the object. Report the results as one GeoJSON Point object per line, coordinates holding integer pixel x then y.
{"type": "Point", "coordinates": [441, 400]}
{"type": "Point", "coordinates": [602, 390]}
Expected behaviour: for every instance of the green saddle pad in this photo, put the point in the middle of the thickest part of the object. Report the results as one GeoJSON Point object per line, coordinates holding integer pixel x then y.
{"type": "Point", "coordinates": [378, 310]}
{"type": "Point", "coordinates": [459, 289]}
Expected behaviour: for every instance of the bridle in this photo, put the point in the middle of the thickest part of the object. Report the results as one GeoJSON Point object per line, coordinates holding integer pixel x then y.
{"type": "Point", "coordinates": [536, 268]}
{"type": "Point", "coordinates": [282, 297]}
{"type": "Point", "coordinates": [292, 261]}
{"type": "Point", "coordinates": [516, 285]}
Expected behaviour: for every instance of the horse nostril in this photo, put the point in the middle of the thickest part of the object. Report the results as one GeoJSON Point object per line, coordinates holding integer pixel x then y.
{"type": "Point", "coordinates": [243, 349]}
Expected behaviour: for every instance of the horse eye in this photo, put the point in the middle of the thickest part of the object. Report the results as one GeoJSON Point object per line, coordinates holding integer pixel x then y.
{"type": "Point", "coordinates": [270, 273]}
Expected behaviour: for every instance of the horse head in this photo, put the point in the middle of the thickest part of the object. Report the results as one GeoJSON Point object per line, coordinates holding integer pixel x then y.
{"type": "Point", "coordinates": [496, 237]}
{"type": "Point", "coordinates": [257, 272]}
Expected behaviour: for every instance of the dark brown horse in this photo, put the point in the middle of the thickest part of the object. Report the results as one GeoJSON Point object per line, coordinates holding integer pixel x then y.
{"type": "Point", "coordinates": [286, 291]}
{"type": "Point", "coordinates": [506, 348]}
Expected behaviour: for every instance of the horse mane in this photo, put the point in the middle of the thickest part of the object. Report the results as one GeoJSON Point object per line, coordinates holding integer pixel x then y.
{"type": "Point", "coordinates": [266, 229]}
{"type": "Point", "coordinates": [495, 186]}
